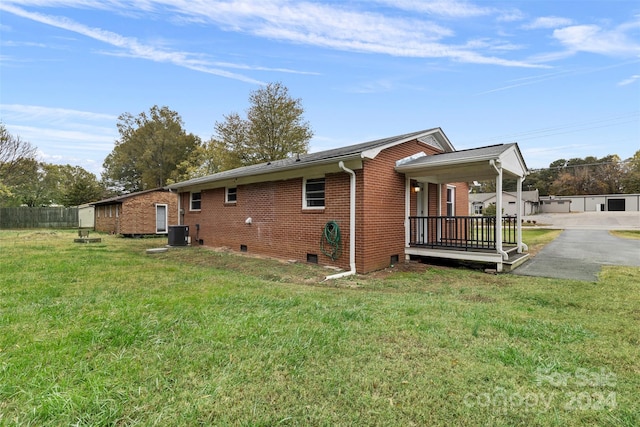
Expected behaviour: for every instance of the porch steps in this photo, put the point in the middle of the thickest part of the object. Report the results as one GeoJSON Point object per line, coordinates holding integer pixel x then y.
{"type": "Point", "coordinates": [515, 260]}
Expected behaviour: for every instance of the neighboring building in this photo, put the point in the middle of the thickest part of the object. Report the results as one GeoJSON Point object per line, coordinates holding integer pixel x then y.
{"type": "Point", "coordinates": [134, 214]}
{"type": "Point", "coordinates": [390, 199]}
{"type": "Point", "coordinates": [553, 204]}
{"type": "Point", "coordinates": [591, 203]}
{"type": "Point", "coordinates": [529, 205]}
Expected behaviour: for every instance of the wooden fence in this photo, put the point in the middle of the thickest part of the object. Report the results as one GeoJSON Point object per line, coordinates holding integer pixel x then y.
{"type": "Point", "coordinates": [25, 217]}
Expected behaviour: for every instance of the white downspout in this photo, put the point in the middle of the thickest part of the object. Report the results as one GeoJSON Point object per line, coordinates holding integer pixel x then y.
{"type": "Point", "coordinates": [352, 225]}
{"type": "Point", "coordinates": [505, 256]}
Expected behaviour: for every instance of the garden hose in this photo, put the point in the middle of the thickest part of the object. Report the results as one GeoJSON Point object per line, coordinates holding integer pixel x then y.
{"type": "Point", "coordinates": [330, 243]}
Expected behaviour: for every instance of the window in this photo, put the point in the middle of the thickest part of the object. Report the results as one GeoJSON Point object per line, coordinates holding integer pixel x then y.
{"type": "Point", "coordinates": [313, 196]}
{"type": "Point", "coordinates": [196, 200]}
{"type": "Point", "coordinates": [451, 197]}
{"type": "Point", "coordinates": [231, 195]}
{"type": "Point", "coordinates": [477, 208]}
{"type": "Point", "coordinates": [161, 219]}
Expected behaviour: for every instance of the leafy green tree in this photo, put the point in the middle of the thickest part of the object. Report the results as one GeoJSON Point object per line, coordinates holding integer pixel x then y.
{"type": "Point", "coordinates": [150, 148]}
{"type": "Point", "coordinates": [631, 179]}
{"type": "Point", "coordinates": [274, 129]}
{"type": "Point", "coordinates": [72, 185]}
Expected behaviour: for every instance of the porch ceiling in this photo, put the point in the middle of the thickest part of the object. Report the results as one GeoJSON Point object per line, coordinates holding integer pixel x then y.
{"type": "Point", "coordinates": [466, 165]}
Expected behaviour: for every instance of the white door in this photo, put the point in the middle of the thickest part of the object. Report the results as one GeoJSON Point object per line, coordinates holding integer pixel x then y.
{"type": "Point", "coordinates": [422, 212]}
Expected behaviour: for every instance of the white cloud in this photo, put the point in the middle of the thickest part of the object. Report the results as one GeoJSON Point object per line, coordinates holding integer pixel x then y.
{"type": "Point", "coordinates": [630, 80]}
{"type": "Point", "coordinates": [328, 25]}
{"type": "Point", "coordinates": [130, 45]}
{"type": "Point", "coordinates": [450, 8]}
{"type": "Point", "coordinates": [39, 113]}
{"type": "Point", "coordinates": [595, 39]}
{"type": "Point", "coordinates": [547, 22]}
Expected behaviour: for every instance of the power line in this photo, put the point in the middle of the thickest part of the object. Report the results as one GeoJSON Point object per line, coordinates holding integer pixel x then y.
{"type": "Point", "coordinates": [567, 128]}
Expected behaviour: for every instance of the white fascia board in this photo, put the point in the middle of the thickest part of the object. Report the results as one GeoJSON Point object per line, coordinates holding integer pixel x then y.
{"type": "Point", "coordinates": [437, 163]}
{"type": "Point", "coordinates": [373, 153]}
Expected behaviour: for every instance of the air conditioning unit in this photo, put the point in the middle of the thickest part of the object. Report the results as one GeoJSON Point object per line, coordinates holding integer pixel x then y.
{"type": "Point", "coordinates": [178, 235]}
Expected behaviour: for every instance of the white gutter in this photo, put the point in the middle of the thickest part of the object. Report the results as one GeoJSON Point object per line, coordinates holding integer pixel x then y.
{"type": "Point", "coordinates": [352, 226]}
{"type": "Point", "coordinates": [496, 165]}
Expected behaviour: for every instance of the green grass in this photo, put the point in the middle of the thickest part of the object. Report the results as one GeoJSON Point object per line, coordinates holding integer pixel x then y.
{"type": "Point", "coordinates": [627, 234]}
{"type": "Point", "coordinates": [104, 334]}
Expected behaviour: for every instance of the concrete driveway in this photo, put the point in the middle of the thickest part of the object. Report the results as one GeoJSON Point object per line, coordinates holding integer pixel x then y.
{"type": "Point", "coordinates": [584, 246]}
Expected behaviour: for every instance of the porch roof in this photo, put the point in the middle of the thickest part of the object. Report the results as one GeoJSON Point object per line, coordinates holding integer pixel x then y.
{"type": "Point", "coordinates": [466, 165]}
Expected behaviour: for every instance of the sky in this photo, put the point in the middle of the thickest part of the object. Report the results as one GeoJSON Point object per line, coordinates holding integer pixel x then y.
{"type": "Point", "coordinates": [561, 78]}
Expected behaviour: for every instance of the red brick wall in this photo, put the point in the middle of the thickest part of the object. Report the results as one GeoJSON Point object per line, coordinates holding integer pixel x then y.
{"type": "Point", "coordinates": [381, 224]}
{"type": "Point", "coordinates": [279, 226]}
{"type": "Point", "coordinates": [136, 214]}
{"type": "Point", "coordinates": [107, 221]}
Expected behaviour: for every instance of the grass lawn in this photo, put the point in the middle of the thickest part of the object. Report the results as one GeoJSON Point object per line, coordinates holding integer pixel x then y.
{"type": "Point", "coordinates": [104, 334]}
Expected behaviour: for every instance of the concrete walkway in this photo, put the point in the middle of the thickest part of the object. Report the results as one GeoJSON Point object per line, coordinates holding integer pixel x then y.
{"type": "Point", "coordinates": [584, 246]}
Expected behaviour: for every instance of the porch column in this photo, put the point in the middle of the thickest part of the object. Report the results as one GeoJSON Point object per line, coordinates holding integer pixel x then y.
{"type": "Point", "coordinates": [498, 167]}
{"type": "Point", "coordinates": [407, 213]}
{"type": "Point", "coordinates": [522, 247]}
{"type": "Point", "coordinates": [499, 210]}
{"type": "Point", "coordinates": [439, 222]}
{"type": "Point", "coordinates": [519, 215]}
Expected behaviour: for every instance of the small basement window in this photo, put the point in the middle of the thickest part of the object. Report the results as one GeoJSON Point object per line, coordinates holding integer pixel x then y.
{"type": "Point", "coordinates": [313, 195]}
{"type": "Point", "coordinates": [196, 201]}
{"type": "Point", "coordinates": [231, 195]}
{"type": "Point", "coordinates": [312, 258]}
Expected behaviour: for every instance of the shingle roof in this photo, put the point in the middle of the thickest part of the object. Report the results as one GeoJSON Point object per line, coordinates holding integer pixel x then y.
{"type": "Point", "coordinates": [118, 199]}
{"type": "Point", "coordinates": [303, 160]}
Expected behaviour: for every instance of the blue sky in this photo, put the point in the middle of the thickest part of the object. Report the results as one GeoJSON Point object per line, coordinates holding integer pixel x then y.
{"type": "Point", "coordinates": [561, 78]}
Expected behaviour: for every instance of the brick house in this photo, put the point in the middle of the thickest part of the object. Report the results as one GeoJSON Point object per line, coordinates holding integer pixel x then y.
{"type": "Point", "coordinates": [381, 196]}
{"type": "Point", "coordinates": [134, 214]}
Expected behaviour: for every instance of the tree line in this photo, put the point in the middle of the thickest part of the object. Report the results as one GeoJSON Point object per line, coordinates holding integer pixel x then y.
{"type": "Point", "coordinates": [154, 149]}
{"type": "Point", "coordinates": [580, 176]}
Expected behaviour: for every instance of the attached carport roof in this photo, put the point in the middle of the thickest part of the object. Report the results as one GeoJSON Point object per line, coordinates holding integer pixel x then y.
{"type": "Point", "coordinates": [466, 165]}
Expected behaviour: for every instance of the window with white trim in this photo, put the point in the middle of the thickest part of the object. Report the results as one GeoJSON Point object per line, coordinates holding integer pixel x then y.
{"type": "Point", "coordinates": [451, 201]}
{"type": "Point", "coordinates": [231, 195]}
{"type": "Point", "coordinates": [195, 201]}
{"type": "Point", "coordinates": [313, 194]}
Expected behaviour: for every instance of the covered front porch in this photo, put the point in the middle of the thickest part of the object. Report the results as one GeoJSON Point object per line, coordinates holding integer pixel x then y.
{"type": "Point", "coordinates": [432, 228]}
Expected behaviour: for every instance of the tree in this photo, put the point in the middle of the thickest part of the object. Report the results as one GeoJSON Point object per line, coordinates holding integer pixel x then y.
{"type": "Point", "coordinates": [15, 154]}
{"type": "Point", "coordinates": [274, 129]}
{"type": "Point", "coordinates": [631, 179]}
{"type": "Point", "coordinates": [150, 148]}
{"type": "Point", "coordinates": [72, 185]}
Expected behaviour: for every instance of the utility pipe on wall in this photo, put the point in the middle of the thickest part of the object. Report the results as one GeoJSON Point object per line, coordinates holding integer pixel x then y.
{"type": "Point", "coordinates": [352, 225]}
